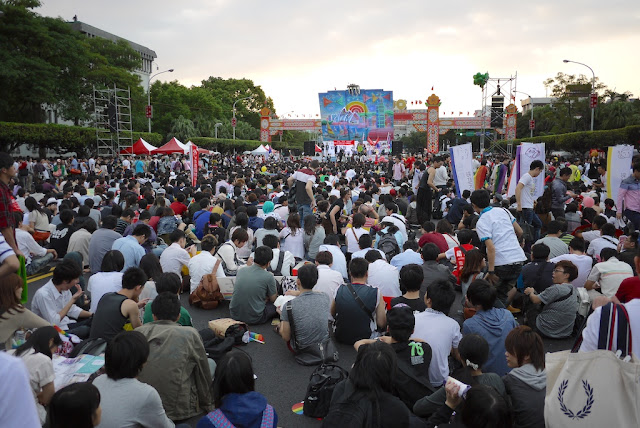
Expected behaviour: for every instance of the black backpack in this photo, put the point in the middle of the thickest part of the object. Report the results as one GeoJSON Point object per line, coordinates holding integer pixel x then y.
{"type": "Point", "coordinates": [322, 382]}
{"type": "Point", "coordinates": [388, 245]}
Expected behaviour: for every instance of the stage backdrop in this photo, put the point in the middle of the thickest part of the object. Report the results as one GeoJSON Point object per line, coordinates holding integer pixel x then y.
{"type": "Point", "coordinates": [618, 168]}
{"type": "Point", "coordinates": [357, 117]}
{"type": "Point", "coordinates": [462, 167]}
{"type": "Point", "coordinates": [525, 154]}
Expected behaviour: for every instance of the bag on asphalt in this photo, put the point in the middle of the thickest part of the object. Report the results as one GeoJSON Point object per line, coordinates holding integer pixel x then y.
{"type": "Point", "coordinates": [389, 245]}
{"type": "Point", "coordinates": [322, 382]}
{"type": "Point", "coordinates": [228, 327]}
{"type": "Point", "coordinates": [597, 388]}
{"type": "Point", "coordinates": [207, 295]}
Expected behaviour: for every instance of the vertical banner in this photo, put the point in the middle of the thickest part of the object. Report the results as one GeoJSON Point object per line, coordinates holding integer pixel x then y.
{"type": "Point", "coordinates": [514, 177]}
{"type": "Point", "coordinates": [462, 167]}
{"type": "Point", "coordinates": [618, 168]}
{"type": "Point", "coordinates": [528, 153]}
{"type": "Point", "coordinates": [194, 157]}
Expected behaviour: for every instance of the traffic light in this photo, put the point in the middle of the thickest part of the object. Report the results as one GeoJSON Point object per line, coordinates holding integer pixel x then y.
{"type": "Point", "coordinates": [497, 108]}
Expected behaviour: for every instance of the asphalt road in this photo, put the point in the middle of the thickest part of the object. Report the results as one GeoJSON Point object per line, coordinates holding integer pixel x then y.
{"type": "Point", "coordinates": [279, 377]}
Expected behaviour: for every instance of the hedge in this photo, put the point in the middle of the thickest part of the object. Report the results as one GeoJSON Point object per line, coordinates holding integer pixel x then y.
{"type": "Point", "coordinates": [55, 136]}
{"type": "Point", "coordinates": [585, 140]}
{"type": "Point", "coordinates": [225, 144]}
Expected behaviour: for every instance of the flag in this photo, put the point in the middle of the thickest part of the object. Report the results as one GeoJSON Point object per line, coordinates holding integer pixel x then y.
{"type": "Point", "coordinates": [432, 88]}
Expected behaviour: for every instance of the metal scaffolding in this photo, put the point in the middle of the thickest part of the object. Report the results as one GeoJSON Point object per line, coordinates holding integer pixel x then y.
{"type": "Point", "coordinates": [112, 115]}
{"type": "Point", "coordinates": [496, 86]}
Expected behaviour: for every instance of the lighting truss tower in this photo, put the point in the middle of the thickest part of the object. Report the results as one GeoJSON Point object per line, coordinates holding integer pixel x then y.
{"type": "Point", "coordinates": [112, 115]}
{"type": "Point", "coordinates": [496, 87]}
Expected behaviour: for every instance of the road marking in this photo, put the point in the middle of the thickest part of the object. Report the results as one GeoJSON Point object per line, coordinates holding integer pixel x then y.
{"type": "Point", "coordinates": [39, 277]}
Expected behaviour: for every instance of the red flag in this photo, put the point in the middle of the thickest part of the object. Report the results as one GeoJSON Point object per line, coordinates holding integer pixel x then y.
{"type": "Point", "coordinates": [432, 88]}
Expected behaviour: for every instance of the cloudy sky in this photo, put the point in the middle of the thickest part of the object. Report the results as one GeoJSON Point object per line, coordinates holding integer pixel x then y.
{"type": "Point", "coordinates": [295, 49]}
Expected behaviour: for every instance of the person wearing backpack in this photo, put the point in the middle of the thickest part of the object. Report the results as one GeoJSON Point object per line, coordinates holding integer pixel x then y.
{"type": "Point", "coordinates": [390, 240]}
{"type": "Point", "coordinates": [283, 261]}
{"type": "Point", "coordinates": [235, 398]}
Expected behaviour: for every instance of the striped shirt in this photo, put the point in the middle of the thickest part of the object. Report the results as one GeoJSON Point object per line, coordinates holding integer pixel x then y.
{"type": "Point", "coordinates": [5, 249]}
{"type": "Point", "coordinates": [629, 194]}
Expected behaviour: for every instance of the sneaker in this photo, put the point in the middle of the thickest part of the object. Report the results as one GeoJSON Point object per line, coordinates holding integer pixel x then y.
{"type": "Point", "coordinates": [513, 310]}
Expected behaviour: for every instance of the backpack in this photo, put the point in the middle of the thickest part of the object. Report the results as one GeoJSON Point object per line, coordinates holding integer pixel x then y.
{"type": "Point", "coordinates": [322, 382]}
{"type": "Point", "coordinates": [207, 295]}
{"type": "Point", "coordinates": [388, 245]}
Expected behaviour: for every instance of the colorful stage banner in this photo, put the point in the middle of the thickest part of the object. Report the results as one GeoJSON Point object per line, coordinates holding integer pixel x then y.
{"type": "Point", "coordinates": [618, 168]}
{"type": "Point", "coordinates": [462, 167]}
{"type": "Point", "coordinates": [528, 153]}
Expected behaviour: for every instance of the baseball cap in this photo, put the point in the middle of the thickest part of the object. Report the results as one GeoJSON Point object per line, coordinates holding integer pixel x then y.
{"type": "Point", "coordinates": [52, 201]}
{"type": "Point", "coordinates": [401, 317]}
{"type": "Point", "coordinates": [392, 192]}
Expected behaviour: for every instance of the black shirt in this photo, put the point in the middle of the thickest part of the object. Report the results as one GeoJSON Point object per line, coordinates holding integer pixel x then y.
{"type": "Point", "coordinates": [415, 304]}
{"type": "Point", "coordinates": [60, 238]}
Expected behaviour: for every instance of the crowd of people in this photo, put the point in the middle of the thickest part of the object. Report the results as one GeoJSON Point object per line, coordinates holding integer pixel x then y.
{"type": "Point", "coordinates": [366, 253]}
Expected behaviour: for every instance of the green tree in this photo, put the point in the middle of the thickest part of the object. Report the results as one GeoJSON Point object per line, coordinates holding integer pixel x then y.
{"type": "Point", "coordinates": [182, 129]}
{"type": "Point", "coordinates": [415, 142]}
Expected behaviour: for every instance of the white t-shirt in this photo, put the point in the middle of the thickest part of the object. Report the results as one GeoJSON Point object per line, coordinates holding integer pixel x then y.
{"type": "Point", "coordinates": [353, 235]}
{"type": "Point", "coordinates": [102, 283]}
{"type": "Point", "coordinates": [497, 224]}
{"type": "Point", "coordinates": [384, 277]}
{"type": "Point", "coordinates": [441, 333]}
{"type": "Point", "coordinates": [582, 262]}
{"type": "Point", "coordinates": [18, 407]}
{"type": "Point", "coordinates": [41, 373]}
{"type": "Point", "coordinates": [609, 275]}
{"type": "Point", "coordinates": [527, 196]}
{"type": "Point", "coordinates": [591, 331]}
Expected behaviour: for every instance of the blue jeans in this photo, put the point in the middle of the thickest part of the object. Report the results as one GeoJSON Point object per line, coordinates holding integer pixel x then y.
{"type": "Point", "coordinates": [37, 263]}
{"type": "Point", "coordinates": [633, 217]}
{"type": "Point", "coordinates": [530, 217]}
{"type": "Point", "coordinates": [304, 210]}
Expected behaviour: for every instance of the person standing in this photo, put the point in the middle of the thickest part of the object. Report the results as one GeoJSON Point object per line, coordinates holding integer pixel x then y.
{"type": "Point", "coordinates": [628, 202]}
{"type": "Point", "coordinates": [426, 190]}
{"type": "Point", "coordinates": [526, 196]}
{"type": "Point", "coordinates": [7, 221]}
{"type": "Point", "coordinates": [559, 195]}
{"type": "Point", "coordinates": [399, 171]}
{"type": "Point", "coordinates": [304, 180]}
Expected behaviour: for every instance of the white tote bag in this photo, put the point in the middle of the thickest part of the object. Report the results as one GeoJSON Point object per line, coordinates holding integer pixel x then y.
{"type": "Point", "coordinates": [595, 389]}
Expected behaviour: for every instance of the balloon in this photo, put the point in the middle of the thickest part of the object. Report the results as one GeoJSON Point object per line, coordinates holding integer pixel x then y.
{"type": "Point", "coordinates": [264, 169]}
{"type": "Point", "coordinates": [588, 202]}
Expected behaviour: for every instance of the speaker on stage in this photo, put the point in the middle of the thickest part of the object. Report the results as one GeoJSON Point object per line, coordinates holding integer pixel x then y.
{"type": "Point", "coordinates": [396, 148]}
{"type": "Point", "coordinates": [309, 148]}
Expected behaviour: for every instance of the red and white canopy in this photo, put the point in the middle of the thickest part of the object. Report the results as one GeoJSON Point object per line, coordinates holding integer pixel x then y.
{"type": "Point", "coordinates": [173, 146]}
{"type": "Point", "coordinates": [140, 147]}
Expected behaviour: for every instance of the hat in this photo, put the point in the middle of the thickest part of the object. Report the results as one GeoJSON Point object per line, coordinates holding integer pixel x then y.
{"type": "Point", "coordinates": [161, 191]}
{"type": "Point", "coordinates": [401, 317]}
{"type": "Point", "coordinates": [52, 201]}
{"type": "Point", "coordinates": [392, 192]}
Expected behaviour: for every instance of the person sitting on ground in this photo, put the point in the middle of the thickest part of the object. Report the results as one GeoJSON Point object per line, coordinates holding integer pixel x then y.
{"type": "Point", "coordinates": [368, 391]}
{"type": "Point", "coordinates": [131, 246]}
{"type": "Point", "coordinates": [228, 252]}
{"type": "Point", "coordinates": [60, 237]}
{"type": "Point", "coordinates": [150, 264]}
{"type": "Point", "coordinates": [36, 257]}
{"type": "Point", "coordinates": [489, 322]}
{"type": "Point", "coordinates": [526, 384]}
{"type": "Point", "coordinates": [410, 255]}
{"type": "Point", "coordinates": [204, 263]}
{"type": "Point", "coordinates": [411, 277]}
{"type": "Point", "coordinates": [167, 283]}
{"type": "Point", "coordinates": [183, 388]}
{"type": "Point", "coordinates": [101, 241]}
{"type": "Point", "coordinates": [433, 271]}
{"type": "Point", "coordinates": [255, 290]}
{"type": "Point", "coordinates": [122, 307]}
{"type": "Point", "coordinates": [457, 253]}
{"type": "Point", "coordinates": [126, 401]}
{"type": "Point", "coordinates": [595, 230]}
{"type": "Point", "coordinates": [309, 309]}
{"type": "Point", "coordinates": [255, 222]}
{"type": "Point", "coordinates": [555, 320]}
{"type": "Point", "coordinates": [54, 303]}
{"type": "Point", "coordinates": [556, 246]}
{"type": "Point", "coordinates": [332, 244]}
{"type": "Point", "coordinates": [474, 352]}
{"type": "Point", "coordinates": [80, 239]}
{"type": "Point", "coordinates": [607, 239]}
{"type": "Point", "coordinates": [125, 220]}
{"type": "Point", "coordinates": [328, 279]}
{"type": "Point", "coordinates": [438, 330]}
{"type": "Point", "coordinates": [358, 318]}
{"type": "Point", "coordinates": [429, 234]}
{"type": "Point", "coordinates": [314, 235]}
{"type": "Point", "coordinates": [382, 275]}
{"type": "Point", "coordinates": [605, 277]}
{"type": "Point", "coordinates": [270, 227]}
{"type": "Point", "coordinates": [13, 315]}
{"type": "Point", "coordinates": [36, 353]}
{"type": "Point", "coordinates": [145, 218]}
{"type": "Point", "coordinates": [283, 261]}
{"type": "Point", "coordinates": [628, 251]}
{"type": "Point", "coordinates": [365, 243]}
{"type": "Point", "coordinates": [414, 356]}
{"type": "Point", "coordinates": [175, 256]}
{"type": "Point", "coordinates": [580, 259]}
{"type": "Point", "coordinates": [76, 405]}
{"type": "Point", "coordinates": [537, 274]}
{"type": "Point", "coordinates": [108, 280]}
{"type": "Point", "coordinates": [235, 397]}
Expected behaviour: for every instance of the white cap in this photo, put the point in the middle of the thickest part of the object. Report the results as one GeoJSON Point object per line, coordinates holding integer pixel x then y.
{"type": "Point", "coordinates": [52, 201]}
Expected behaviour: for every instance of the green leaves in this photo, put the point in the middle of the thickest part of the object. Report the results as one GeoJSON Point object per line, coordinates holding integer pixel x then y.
{"type": "Point", "coordinates": [480, 79]}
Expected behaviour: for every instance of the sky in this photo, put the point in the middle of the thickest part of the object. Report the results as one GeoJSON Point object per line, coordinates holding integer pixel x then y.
{"type": "Point", "coordinates": [296, 49]}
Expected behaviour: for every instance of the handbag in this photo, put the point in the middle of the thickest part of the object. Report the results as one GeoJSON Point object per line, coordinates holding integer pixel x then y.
{"type": "Point", "coordinates": [312, 355]}
{"type": "Point", "coordinates": [597, 388]}
{"type": "Point", "coordinates": [228, 327]}
{"type": "Point", "coordinates": [207, 295]}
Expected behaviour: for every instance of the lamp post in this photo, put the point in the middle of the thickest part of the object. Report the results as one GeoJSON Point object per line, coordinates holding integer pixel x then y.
{"type": "Point", "coordinates": [216, 128]}
{"type": "Point", "coordinates": [234, 115]}
{"type": "Point", "coordinates": [593, 84]}
{"type": "Point", "coordinates": [149, 91]}
{"type": "Point", "coordinates": [530, 98]}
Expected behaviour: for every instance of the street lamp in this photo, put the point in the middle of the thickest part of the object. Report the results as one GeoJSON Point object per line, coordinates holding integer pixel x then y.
{"type": "Point", "coordinates": [149, 91]}
{"type": "Point", "coordinates": [593, 84]}
{"type": "Point", "coordinates": [234, 115]}
{"type": "Point", "coordinates": [216, 128]}
{"type": "Point", "coordinates": [531, 102]}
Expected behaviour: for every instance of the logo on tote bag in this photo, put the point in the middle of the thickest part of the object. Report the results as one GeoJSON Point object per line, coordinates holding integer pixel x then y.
{"type": "Point", "coordinates": [586, 410]}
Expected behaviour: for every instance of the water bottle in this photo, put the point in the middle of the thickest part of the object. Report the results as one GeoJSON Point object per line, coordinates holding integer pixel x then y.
{"type": "Point", "coordinates": [19, 337]}
{"type": "Point", "coordinates": [245, 337]}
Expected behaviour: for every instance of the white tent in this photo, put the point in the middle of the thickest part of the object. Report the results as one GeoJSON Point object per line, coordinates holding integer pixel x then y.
{"type": "Point", "coordinates": [260, 151]}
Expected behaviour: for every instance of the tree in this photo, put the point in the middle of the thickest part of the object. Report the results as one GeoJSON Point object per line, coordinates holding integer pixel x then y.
{"type": "Point", "coordinates": [415, 142]}
{"type": "Point", "coordinates": [182, 129]}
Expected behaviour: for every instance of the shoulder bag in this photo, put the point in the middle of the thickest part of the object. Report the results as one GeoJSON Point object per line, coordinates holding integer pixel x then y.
{"type": "Point", "coordinates": [207, 295]}
{"type": "Point", "coordinates": [317, 353]}
{"type": "Point", "coordinates": [359, 301]}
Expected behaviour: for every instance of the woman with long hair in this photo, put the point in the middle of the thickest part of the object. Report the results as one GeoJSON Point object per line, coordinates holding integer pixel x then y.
{"type": "Point", "coordinates": [354, 233]}
{"type": "Point", "coordinates": [108, 280]}
{"type": "Point", "coordinates": [38, 220]}
{"type": "Point", "coordinates": [337, 211]}
{"type": "Point", "coordinates": [474, 265]}
{"type": "Point", "coordinates": [36, 353]}
{"type": "Point", "coordinates": [235, 397]}
{"type": "Point", "coordinates": [292, 237]}
{"type": "Point", "coordinates": [314, 235]}
{"type": "Point", "coordinates": [76, 405]}
{"type": "Point", "coordinates": [150, 264]}
{"type": "Point", "coordinates": [229, 212]}
{"type": "Point", "coordinates": [13, 315]}
{"type": "Point", "coordinates": [158, 205]}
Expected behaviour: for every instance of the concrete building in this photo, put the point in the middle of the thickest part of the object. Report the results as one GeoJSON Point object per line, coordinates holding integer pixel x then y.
{"type": "Point", "coordinates": [531, 102]}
